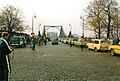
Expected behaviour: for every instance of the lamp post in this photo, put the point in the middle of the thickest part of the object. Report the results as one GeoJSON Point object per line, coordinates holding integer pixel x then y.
{"type": "Point", "coordinates": [70, 27]}
{"type": "Point", "coordinates": [70, 33]}
{"type": "Point", "coordinates": [39, 30]}
{"type": "Point", "coordinates": [39, 27]}
{"type": "Point", "coordinates": [82, 17]}
{"type": "Point", "coordinates": [33, 16]}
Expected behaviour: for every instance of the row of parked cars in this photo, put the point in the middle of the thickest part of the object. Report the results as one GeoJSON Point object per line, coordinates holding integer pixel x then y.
{"type": "Point", "coordinates": [74, 41]}
{"type": "Point", "coordinates": [105, 45]}
{"type": "Point", "coordinates": [113, 46]}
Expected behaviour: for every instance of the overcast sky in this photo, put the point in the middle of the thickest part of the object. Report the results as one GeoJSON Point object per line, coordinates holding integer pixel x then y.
{"type": "Point", "coordinates": [52, 12]}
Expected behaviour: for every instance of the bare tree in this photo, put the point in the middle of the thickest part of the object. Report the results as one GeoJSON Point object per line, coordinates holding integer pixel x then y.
{"type": "Point", "coordinates": [95, 17]}
{"type": "Point", "coordinates": [102, 13]}
{"type": "Point", "coordinates": [11, 18]}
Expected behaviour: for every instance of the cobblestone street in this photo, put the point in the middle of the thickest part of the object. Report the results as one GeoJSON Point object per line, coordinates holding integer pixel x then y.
{"type": "Point", "coordinates": [63, 63]}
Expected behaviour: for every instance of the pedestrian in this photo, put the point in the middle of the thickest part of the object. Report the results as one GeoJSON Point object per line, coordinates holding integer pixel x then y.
{"type": "Point", "coordinates": [70, 42]}
{"type": "Point", "coordinates": [82, 44]}
{"type": "Point", "coordinates": [118, 40]}
{"type": "Point", "coordinates": [33, 42]}
{"type": "Point", "coordinates": [45, 40]}
{"type": "Point", "coordinates": [39, 41]}
{"type": "Point", "coordinates": [4, 61]}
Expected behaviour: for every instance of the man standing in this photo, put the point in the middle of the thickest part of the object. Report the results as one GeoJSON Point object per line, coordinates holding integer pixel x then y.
{"type": "Point", "coordinates": [33, 42]}
{"type": "Point", "coordinates": [70, 42]}
{"type": "Point", "coordinates": [4, 51]}
{"type": "Point", "coordinates": [82, 43]}
{"type": "Point", "coordinates": [45, 40]}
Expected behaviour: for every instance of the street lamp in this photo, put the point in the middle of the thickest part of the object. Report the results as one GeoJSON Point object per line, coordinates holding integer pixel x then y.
{"type": "Point", "coordinates": [70, 27]}
{"type": "Point", "coordinates": [39, 27]}
{"type": "Point", "coordinates": [39, 30]}
{"type": "Point", "coordinates": [82, 17]}
{"type": "Point", "coordinates": [33, 16]}
{"type": "Point", "coordinates": [70, 33]}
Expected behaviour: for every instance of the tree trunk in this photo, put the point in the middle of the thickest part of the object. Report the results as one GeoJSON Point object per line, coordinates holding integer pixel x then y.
{"type": "Point", "coordinates": [99, 26]}
{"type": "Point", "coordinates": [109, 21]}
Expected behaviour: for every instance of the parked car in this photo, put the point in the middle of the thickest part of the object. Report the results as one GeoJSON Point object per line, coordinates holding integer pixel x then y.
{"type": "Point", "coordinates": [98, 45]}
{"type": "Point", "coordinates": [78, 43]}
{"type": "Point", "coordinates": [54, 41]}
{"type": "Point", "coordinates": [66, 41]}
{"type": "Point", "coordinates": [74, 40]}
{"type": "Point", "coordinates": [18, 41]}
{"type": "Point", "coordinates": [114, 47]}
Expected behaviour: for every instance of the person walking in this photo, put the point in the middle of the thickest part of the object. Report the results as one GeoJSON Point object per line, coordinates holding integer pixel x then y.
{"type": "Point", "coordinates": [82, 43]}
{"type": "Point", "coordinates": [4, 61]}
{"type": "Point", "coordinates": [45, 40]}
{"type": "Point", "coordinates": [33, 41]}
{"type": "Point", "coordinates": [39, 41]}
{"type": "Point", "coordinates": [70, 42]}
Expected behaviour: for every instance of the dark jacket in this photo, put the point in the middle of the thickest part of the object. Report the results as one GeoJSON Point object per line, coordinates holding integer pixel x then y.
{"type": "Point", "coordinates": [4, 50]}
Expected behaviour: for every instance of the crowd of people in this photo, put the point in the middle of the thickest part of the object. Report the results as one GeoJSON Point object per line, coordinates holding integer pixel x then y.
{"type": "Point", "coordinates": [39, 41]}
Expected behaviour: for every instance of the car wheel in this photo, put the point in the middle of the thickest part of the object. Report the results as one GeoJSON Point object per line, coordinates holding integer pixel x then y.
{"type": "Point", "coordinates": [112, 52]}
{"type": "Point", "coordinates": [88, 48]}
{"type": "Point", "coordinates": [95, 49]}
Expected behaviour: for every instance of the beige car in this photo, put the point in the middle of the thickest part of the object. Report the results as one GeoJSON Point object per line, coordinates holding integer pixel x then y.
{"type": "Point", "coordinates": [74, 40]}
{"type": "Point", "coordinates": [98, 45]}
{"type": "Point", "coordinates": [77, 43]}
{"type": "Point", "coordinates": [81, 41]}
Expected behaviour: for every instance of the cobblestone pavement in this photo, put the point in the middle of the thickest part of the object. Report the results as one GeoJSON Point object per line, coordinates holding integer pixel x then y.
{"type": "Point", "coordinates": [63, 63]}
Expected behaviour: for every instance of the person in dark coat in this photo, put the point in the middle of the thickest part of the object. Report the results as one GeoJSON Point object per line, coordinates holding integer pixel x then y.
{"type": "Point", "coordinates": [4, 51]}
{"type": "Point", "coordinates": [33, 42]}
{"type": "Point", "coordinates": [45, 40]}
{"type": "Point", "coordinates": [82, 44]}
{"type": "Point", "coordinates": [70, 42]}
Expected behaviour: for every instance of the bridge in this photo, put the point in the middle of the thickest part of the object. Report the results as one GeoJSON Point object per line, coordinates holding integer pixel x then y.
{"type": "Point", "coordinates": [60, 28]}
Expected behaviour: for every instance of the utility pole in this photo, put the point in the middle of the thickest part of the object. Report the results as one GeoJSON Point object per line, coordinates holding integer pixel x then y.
{"type": "Point", "coordinates": [39, 30]}
{"type": "Point", "coordinates": [82, 17]}
{"type": "Point", "coordinates": [70, 33]}
{"type": "Point", "coordinates": [33, 16]}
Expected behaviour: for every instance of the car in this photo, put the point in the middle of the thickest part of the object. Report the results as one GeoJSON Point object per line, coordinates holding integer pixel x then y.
{"type": "Point", "coordinates": [54, 41]}
{"type": "Point", "coordinates": [78, 43]}
{"type": "Point", "coordinates": [98, 45]}
{"type": "Point", "coordinates": [74, 40]}
{"type": "Point", "coordinates": [18, 41]}
{"type": "Point", "coordinates": [114, 47]}
{"type": "Point", "coordinates": [66, 41]}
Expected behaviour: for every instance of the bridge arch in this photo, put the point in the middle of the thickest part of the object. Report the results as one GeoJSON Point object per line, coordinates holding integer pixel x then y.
{"type": "Point", "coordinates": [60, 28]}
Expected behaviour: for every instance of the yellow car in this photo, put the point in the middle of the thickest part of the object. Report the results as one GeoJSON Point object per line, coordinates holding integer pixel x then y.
{"type": "Point", "coordinates": [98, 45]}
{"type": "Point", "coordinates": [114, 49]}
{"type": "Point", "coordinates": [74, 40]}
{"type": "Point", "coordinates": [81, 41]}
{"type": "Point", "coordinates": [77, 43]}
{"type": "Point", "coordinates": [114, 46]}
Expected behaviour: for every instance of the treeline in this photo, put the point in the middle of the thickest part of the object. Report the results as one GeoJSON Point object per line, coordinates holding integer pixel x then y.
{"type": "Point", "coordinates": [103, 17]}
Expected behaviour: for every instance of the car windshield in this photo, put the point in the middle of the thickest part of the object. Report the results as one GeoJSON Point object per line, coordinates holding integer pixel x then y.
{"type": "Point", "coordinates": [54, 39]}
{"type": "Point", "coordinates": [75, 39]}
{"type": "Point", "coordinates": [104, 42]}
